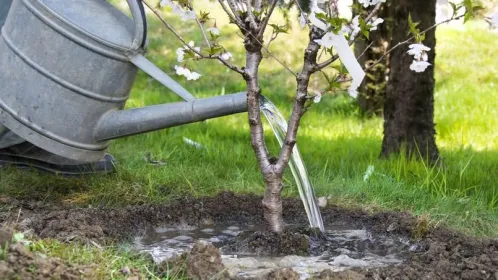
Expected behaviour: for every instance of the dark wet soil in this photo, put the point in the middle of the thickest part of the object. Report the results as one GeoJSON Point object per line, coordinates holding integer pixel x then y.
{"type": "Point", "coordinates": [440, 253]}
{"type": "Point", "coordinates": [289, 242]}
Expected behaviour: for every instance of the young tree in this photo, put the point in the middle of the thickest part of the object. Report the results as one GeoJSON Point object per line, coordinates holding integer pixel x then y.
{"type": "Point", "coordinates": [327, 31]}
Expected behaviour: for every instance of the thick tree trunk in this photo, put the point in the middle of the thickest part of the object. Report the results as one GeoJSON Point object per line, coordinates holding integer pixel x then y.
{"type": "Point", "coordinates": [409, 104]}
{"type": "Point", "coordinates": [372, 91]}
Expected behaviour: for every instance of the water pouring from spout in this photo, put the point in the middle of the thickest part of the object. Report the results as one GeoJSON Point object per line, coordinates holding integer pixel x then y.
{"type": "Point", "coordinates": [279, 126]}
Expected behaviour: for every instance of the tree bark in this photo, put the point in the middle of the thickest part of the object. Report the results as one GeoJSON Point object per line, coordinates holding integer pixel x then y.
{"type": "Point", "coordinates": [373, 89]}
{"type": "Point", "coordinates": [409, 104]}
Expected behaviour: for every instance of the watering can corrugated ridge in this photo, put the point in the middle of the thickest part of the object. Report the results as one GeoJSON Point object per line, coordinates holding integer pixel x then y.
{"type": "Point", "coordinates": [67, 71]}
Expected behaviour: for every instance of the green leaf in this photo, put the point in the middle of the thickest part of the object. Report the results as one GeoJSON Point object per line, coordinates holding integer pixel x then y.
{"type": "Point", "coordinates": [453, 7]}
{"type": "Point", "coordinates": [340, 68]}
{"type": "Point", "coordinates": [468, 16]}
{"type": "Point", "coordinates": [204, 17]}
{"type": "Point", "coordinates": [413, 28]}
{"type": "Point", "coordinates": [336, 24]}
{"type": "Point", "coordinates": [364, 28]}
{"type": "Point", "coordinates": [279, 28]}
{"type": "Point", "coordinates": [216, 49]}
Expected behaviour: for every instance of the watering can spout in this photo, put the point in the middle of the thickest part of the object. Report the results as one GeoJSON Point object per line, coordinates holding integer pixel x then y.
{"type": "Point", "coordinates": [116, 124]}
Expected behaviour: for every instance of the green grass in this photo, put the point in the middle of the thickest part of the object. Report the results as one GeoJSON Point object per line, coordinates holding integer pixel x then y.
{"type": "Point", "coordinates": [104, 263]}
{"type": "Point", "coordinates": [336, 143]}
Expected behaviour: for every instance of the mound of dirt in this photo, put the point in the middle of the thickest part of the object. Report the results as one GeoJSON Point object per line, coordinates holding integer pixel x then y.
{"type": "Point", "coordinates": [439, 254]}
{"type": "Point", "coordinates": [202, 262]}
{"type": "Point", "coordinates": [18, 262]}
{"type": "Point", "coordinates": [269, 243]}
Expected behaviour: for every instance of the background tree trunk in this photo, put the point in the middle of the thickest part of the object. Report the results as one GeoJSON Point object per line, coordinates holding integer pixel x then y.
{"type": "Point", "coordinates": [409, 104]}
{"type": "Point", "coordinates": [373, 89]}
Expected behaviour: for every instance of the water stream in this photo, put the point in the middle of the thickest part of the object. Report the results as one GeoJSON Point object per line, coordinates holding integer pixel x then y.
{"type": "Point", "coordinates": [279, 126]}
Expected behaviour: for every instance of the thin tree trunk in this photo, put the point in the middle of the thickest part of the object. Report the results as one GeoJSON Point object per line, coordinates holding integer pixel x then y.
{"type": "Point", "coordinates": [409, 104]}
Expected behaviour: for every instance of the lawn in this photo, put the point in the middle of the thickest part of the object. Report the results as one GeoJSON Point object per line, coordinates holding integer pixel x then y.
{"type": "Point", "coordinates": [337, 144]}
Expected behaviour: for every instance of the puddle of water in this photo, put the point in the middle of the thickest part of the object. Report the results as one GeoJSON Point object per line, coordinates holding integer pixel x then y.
{"type": "Point", "coordinates": [345, 248]}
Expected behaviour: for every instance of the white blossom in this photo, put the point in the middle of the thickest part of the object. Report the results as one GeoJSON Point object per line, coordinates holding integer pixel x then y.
{"type": "Point", "coordinates": [213, 30]}
{"type": "Point", "coordinates": [176, 9]}
{"type": "Point", "coordinates": [303, 20]}
{"type": "Point", "coordinates": [418, 51]}
{"type": "Point", "coordinates": [317, 98]}
{"type": "Point", "coordinates": [353, 27]}
{"type": "Point", "coordinates": [375, 23]}
{"type": "Point", "coordinates": [180, 54]}
{"type": "Point", "coordinates": [190, 75]}
{"type": "Point", "coordinates": [188, 15]}
{"type": "Point", "coordinates": [193, 76]}
{"type": "Point", "coordinates": [165, 3]}
{"type": "Point", "coordinates": [367, 3]}
{"type": "Point", "coordinates": [181, 71]}
{"type": "Point", "coordinates": [494, 20]}
{"type": "Point", "coordinates": [329, 40]}
{"type": "Point", "coordinates": [226, 56]}
{"type": "Point", "coordinates": [419, 66]}
{"type": "Point", "coordinates": [424, 56]}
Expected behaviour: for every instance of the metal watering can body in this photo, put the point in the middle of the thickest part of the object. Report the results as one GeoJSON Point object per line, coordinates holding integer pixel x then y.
{"type": "Point", "coordinates": [66, 71]}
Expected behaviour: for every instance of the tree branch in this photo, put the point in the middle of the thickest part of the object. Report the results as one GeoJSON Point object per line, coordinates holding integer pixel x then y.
{"type": "Point", "coordinates": [410, 39]}
{"type": "Point", "coordinates": [230, 14]}
{"type": "Point", "coordinates": [253, 59]}
{"type": "Point", "coordinates": [235, 10]}
{"type": "Point", "coordinates": [263, 24]}
{"type": "Point", "coordinates": [179, 37]}
{"type": "Point", "coordinates": [257, 5]}
{"type": "Point", "coordinates": [203, 32]}
{"type": "Point", "coordinates": [303, 80]}
{"type": "Point", "coordinates": [250, 15]}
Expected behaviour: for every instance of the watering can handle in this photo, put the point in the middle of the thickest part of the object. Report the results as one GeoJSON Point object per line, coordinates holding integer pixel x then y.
{"type": "Point", "coordinates": [138, 13]}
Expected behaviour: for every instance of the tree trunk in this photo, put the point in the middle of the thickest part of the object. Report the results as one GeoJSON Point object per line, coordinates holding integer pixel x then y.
{"type": "Point", "coordinates": [373, 89]}
{"type": "Point", "coordinates": [409, 104]}
{"type": "Point", "coordinates": [272, 204]}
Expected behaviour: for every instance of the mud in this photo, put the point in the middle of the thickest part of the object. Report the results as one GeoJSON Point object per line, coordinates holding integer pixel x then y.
{"type": "Point", "coordinates": [202, 262]}
{"type": "Point", "coordinates": [438, 254]}
{"type": "Point", "coordinates": [18, 262]}
{"type": "Point", "coordinates": [268, 243]}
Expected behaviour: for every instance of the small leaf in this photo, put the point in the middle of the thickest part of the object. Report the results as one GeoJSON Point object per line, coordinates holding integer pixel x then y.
{"type": "Point", "coordinates": [364, 28]}
{"type": "Point", "coordinates": [279, 28]}
{"type": "Point", "coordinates": [453, 7]}
{"type": "Point", "coordinates": [468, 16]}
{"type": "Point", "coordinates": [204, 17]}
{"type": "Point", "coordinates": [215, 49]}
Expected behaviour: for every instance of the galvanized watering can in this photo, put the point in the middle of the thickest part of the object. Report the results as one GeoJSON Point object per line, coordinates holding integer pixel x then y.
{"type": "Point", "coordinates": [66, 70]}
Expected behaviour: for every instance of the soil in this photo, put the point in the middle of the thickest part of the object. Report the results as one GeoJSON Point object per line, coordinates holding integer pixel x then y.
{"type": "Point", "coordinates": [440, 254]}
{"type": "Point", "coordinates": [20, 263]}
{"type": "Point", "coordinates": [203, 262]}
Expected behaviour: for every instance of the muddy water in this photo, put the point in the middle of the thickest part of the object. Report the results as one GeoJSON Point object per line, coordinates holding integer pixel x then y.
{"type": "Point", "coordinates": [345, 248]}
